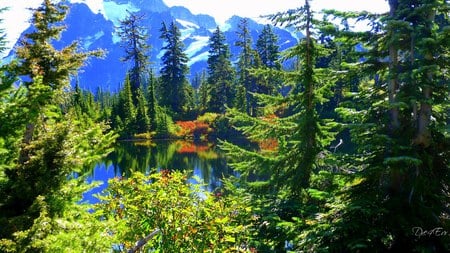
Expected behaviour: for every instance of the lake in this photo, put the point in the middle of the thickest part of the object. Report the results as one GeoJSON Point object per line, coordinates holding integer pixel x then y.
{"type": "Point", "coordinates": [203, 160]}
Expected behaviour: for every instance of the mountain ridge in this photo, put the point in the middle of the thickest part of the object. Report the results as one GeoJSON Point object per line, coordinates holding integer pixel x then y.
{"type": "Point", "coordinates": [98, 31]}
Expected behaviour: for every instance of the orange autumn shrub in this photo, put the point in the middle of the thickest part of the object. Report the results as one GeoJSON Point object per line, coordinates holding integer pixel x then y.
{"type": "Point", "coordinates": [190, 147]}
{"type": "Point", "coordinates": [270, 144]}
{"type": "Point", "coordinates": [191, 128]}
{"type": "Point", "coordinates": [185, 128]}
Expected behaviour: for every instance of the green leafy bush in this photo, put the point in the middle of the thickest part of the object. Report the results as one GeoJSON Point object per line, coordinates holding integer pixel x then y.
{"type": "Point", "coordinates": [184, 217]}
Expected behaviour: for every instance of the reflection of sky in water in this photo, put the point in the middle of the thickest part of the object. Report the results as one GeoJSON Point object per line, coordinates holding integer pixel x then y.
{"type": "Point", "coordinates": [101, 173]}
{"type": "Point", "coordinates": [204, 169]}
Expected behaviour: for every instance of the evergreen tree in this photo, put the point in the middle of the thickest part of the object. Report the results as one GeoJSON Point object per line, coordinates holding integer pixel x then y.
{"type": "Point", "coordinates": [173, 73]}
{"type": "Point", "coordinates": [134, 41]}
{"type": "Point", "coordinates": [240, 99]}
{"type": "Point", "coordinates": [50, 143]}
{"type": "Point", "coordinates": [127, 111]}
{"type": "Point", "coordinates": [400, 172]}
{"type": "Point", "coordinates": [38, 59]}
{"type": "Point", "coordinates": [83, 102]}
{"type": "Point", "coordinates": [248, 58]}
{"type": "Point", "coordinates": [283, 173]}
{"type": "Point", "coordinates": [220, 73]}
{"type": "Point", "coordinates": [152, 103]}
{"type": "Point", "coordinates": [142, 124]}
{"type": "Point", "coordinates": [78, 96]}
{"type": "Point", "coordinates": [2, 33]}
{"type": "Point", "coordinates": [189, 101]}
{"type": "Point", "coordinates": [203, 93]}
{"type": "Point", "coordinates": [197, 80]}
{"type": "Point", "coordinates": [268, 49]}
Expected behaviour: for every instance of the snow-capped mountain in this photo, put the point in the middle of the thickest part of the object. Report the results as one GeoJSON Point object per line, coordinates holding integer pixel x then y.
{"type": "Point", "coordinates": [96, 29]}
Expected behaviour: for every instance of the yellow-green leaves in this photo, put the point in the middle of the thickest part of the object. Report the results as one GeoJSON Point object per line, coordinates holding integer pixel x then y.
{"type": "Point", "coordinates": [189, 218]}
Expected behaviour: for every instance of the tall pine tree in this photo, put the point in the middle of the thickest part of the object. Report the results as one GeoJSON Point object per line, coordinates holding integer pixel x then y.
{"type": "Point", "coordinates": [134, 38]}
{"type": "Point", "coordinates": [268, 49]}
{"type": "Point", "coordinates": [398, 184]}
{"type": "Point", "coordinates": [51, 143]}
{"type": "Point", "coordinates": [220, 73]}
{"type": "Point", "coordinates": [127, 110]}
{"type": "Point", "coordinates": [248, 58]}
{"type": "Point", "coordinates": [152, 103]}
{"type": "Point", "coordinates": [172, 90]}
{"type": "Point", "coordinates": [293, 139]}
{"type": "Point", "coordinates": [142, 121]}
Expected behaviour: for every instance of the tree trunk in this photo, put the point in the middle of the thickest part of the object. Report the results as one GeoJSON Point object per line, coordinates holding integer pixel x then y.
{"type": "Point", "coordinates": [393, 68]}
{"type": "Point", "coordinates": [27, 138]}
{"type": "Point", "coordinates": [143, 241]}
{"type": "Point", "coordinates": [423, 137]}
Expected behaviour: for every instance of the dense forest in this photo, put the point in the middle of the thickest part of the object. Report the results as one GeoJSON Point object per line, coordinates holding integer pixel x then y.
{"type": "Point", "coordinates": [350, 142]}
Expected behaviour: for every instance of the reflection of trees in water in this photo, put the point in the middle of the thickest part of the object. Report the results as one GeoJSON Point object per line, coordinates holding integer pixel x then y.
{"type": "Point", "coordinates": [204, 158]}
{"type": "Point", "coordinates": [128, 157]}
{"type": "Point", "coordinates": [213, 171]}
{"type": "Point", "coordinates": [164, 153]}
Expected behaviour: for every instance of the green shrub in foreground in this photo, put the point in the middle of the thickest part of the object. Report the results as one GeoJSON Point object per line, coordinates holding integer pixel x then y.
{"type": "Point", "coordinates": [188, 218]}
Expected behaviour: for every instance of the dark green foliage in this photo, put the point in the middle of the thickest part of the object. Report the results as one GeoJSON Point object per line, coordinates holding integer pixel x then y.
{"type": "Point", "coordinates": [134, 41]}
{"type": "Point", "coordinates": [152, 103]}
{"type": "Point", "coordinates": [124, 112]}
{"type": "Point", "coordinates": [292, 121]}
{"type": "Point", "coordinates": [163, 123]}
{"type": "Point", "coordinates": [147, 117]}
{"type": "Point", "coordinates": [202, 92]}
{"type": "Point", "coordinates": [220, 74]}
{"type": "Point", "coordinates": [268, 49]}
{"type": "Point", "coordinates": [83, 102]}
{"type": "Point", "coordinates": [399, 178]}
{"type": "Point", "coordinates": [268, 52]}
{"type": "Point", "coordinates": [240, 99]}
{"type": "Point", "coordinates": [142, 124]}
{"type": "Point", "coordinates": [43, 140]}
{"type": "Point", "coordinates": [173, 90]}
{"type": "Point", "coordinates": [383, 187]}
{"type": "Point", "coordinates": [248, 59]}
{"type": "Point", "coordinates": [292, 138]}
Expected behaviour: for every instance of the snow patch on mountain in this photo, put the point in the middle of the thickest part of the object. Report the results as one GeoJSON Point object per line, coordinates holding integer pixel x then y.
{"type": "Point", "coordinates": [160, 54]}
{"type": "Point", "coordinates": [115, 12]}
{"type": "Point", "coordinates": [198, 58]}
{"type": "Point", "coordinates": [224, 27]}
{"type": "Point", "coordinates": [88, 41]}
{"type": "Point", "coordinates": [287, 42]}
{"type": "Point", "coordinates": [187, 29]}
{"type": "Point", "coordinates": [187, 24]}
{"type": "Point", "coordinates": [200, 42]}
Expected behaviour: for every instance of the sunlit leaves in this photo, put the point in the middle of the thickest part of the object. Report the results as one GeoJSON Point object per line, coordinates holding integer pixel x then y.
{"type": "Point", "coordinates": [189, 218]}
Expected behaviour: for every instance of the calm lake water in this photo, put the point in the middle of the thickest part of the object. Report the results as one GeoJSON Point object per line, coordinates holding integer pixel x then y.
{"type": "Point", "coordinates": [203, 160]}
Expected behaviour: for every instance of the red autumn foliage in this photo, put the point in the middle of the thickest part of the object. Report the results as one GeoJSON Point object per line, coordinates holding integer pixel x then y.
{"type": "Point", "coordinates": [268, 144]}
{"type": "Point", "coordinates": [269, 118]}
{"type": "Point", "coordinates": [189, 128]}
{"type": "Point", "coordinates": [189, 147]}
